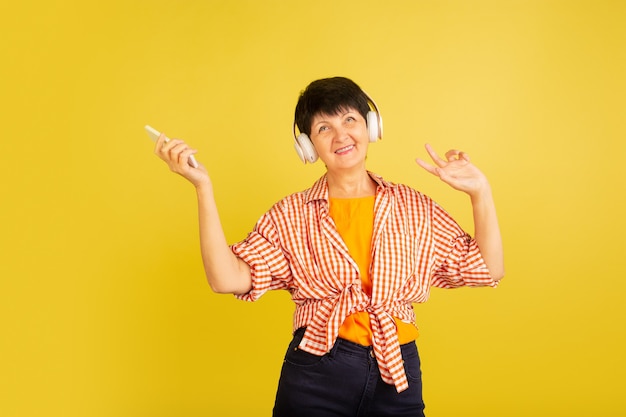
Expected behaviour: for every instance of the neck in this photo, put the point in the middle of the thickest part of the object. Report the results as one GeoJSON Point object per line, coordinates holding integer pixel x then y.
{"type": "Point", "coordinates": [350, 185]}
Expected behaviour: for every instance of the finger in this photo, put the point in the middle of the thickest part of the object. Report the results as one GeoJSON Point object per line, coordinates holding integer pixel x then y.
{"type": "Point", "coordinates": [161, 140]}
{"type": "Point", "coordinates": [464, 156]}
{"type": "Point", "coordinates": [178, 151]}
{"type": "Point", "coordinates": [169, 152]}
{"type": "Point", "coordinates": [433, 170]}
{"type": "Point", "coordinates": [172, 143]}
{"type": "Point", "coordinates": [433, 155]}
{"type": "Point", "coordinates": [452, 154]}
{"type": "Point", "coordinates": [186, 157]}
{"type": "Point", "coordinates": [173, 148]}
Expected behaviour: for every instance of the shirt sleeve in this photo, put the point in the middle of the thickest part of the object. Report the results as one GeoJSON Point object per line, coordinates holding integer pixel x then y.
{"type": "Point", "coordinates": [458, 258]}
{"type": "Point", "coordinates": [261, 250]}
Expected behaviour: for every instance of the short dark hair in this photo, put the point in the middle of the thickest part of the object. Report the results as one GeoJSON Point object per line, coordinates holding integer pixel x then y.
{"type": "Point", "coordinates": [329, 96]}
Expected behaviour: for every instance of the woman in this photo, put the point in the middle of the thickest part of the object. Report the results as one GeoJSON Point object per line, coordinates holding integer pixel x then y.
{"type": "Point", "coordinates": [355, 251]}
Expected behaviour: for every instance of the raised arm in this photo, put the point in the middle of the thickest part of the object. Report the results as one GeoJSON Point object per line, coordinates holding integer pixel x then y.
{"type": "Point", "coordinates": [457, 171]}
{"type": "Point", "coordinates": [225, 272]}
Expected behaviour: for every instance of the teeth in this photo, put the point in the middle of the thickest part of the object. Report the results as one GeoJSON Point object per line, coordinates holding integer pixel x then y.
{"type": "Point", "coordinates": [347, 148]}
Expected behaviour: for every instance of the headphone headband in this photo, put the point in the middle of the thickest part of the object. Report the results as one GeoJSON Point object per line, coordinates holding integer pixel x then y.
{"type": "Point", "coordinates": [379, 119]}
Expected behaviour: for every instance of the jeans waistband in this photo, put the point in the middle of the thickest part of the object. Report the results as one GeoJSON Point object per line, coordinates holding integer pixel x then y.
{"type": "Point", "coordinates": [351, 347]}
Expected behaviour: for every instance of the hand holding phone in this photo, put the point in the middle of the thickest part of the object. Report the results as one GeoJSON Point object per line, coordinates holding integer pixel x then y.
{"type": "Point", "coordinates": [154, 135]}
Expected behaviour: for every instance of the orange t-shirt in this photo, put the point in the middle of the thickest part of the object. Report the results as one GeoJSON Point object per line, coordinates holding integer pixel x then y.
{"type": "Point", "coordinates": [354, 219]}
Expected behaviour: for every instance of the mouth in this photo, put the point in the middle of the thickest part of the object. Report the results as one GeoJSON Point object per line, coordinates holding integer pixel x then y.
{"type": "Point", "coordinates": [344, 150]}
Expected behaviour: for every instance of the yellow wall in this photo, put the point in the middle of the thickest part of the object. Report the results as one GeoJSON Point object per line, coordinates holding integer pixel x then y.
{"type": "Point", "coordinates": [103, 304]}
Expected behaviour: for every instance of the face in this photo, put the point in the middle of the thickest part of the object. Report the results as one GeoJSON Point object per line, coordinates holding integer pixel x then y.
{"type": "Point", "coordinates": [341, 140]}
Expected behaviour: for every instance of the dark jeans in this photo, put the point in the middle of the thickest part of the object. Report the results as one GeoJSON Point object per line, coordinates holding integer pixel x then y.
{"type": "Point", "coordinates": [345, 382]}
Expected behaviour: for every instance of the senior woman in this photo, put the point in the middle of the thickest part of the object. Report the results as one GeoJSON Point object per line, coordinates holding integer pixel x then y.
{"type": "Point", "coordinates": [355, 251]}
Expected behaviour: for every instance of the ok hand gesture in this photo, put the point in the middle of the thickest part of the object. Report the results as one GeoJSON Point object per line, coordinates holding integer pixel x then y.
{"type": "Point", "coordinates": [456, 170]}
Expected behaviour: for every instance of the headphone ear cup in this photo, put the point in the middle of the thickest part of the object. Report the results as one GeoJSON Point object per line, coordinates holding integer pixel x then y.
{"type": "Point", "coordinates": [298, 149]}
{"type": "Point", "coordinates": [305, 149]}
{"type": "Point", "coordinates": [374, 126]}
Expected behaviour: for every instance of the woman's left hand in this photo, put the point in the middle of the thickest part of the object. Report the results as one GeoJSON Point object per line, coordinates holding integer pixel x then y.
{"type": "Point", "coordinates": [456, 170]}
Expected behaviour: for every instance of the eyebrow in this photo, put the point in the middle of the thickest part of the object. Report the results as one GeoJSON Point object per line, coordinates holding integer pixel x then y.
{"type": "Point", "coordinates": [340, 112]}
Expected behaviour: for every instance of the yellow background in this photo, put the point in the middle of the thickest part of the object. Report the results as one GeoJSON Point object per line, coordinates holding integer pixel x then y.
{"type": "Point", "coordinates": [103, 304]}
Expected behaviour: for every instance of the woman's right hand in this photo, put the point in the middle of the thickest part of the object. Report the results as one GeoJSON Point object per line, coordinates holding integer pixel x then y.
{"type": "Point", "coordinates": [176, 153]}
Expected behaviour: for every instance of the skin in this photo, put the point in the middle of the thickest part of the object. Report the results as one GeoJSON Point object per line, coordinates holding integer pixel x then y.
{"type": "Point", "coordinates": [341, 141]}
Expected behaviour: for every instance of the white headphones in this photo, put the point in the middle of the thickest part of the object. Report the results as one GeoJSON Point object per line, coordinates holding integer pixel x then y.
{"type": "Point", "coordinates": [306, 150]}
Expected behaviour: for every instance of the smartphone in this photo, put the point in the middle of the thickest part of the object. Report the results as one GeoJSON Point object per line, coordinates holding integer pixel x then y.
{"type": "Point", "coordinates": [154, 135]}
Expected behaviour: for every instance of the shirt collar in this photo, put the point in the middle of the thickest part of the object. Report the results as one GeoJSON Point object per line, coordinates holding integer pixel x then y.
{"type": "Point", "coordinates": [319, 190]}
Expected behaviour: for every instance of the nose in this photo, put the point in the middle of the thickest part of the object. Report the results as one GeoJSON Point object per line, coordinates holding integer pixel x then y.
{"type": "Point", "coordinates": [341, 133]}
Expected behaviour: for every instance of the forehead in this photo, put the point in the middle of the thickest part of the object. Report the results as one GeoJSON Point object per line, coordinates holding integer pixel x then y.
{"type": "Point", "coordinates": [339, 111]}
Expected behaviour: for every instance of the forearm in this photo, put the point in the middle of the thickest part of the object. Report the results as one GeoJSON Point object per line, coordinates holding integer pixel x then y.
{"type": "Point", "coordinates": [225, 272]}
{"type": "Point", "coordinates": [487, 232]}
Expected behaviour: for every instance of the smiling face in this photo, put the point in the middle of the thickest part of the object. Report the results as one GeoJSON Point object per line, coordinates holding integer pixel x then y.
{"type": "Point", "coordinates": [340, 139]}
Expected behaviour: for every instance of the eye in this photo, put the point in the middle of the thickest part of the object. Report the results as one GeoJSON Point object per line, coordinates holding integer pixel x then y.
{"type": "Point", "coordinates": [322, 129]}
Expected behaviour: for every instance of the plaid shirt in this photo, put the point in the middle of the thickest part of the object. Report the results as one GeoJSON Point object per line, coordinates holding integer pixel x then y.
{"type": "Point", "coordinates": [415, 245]}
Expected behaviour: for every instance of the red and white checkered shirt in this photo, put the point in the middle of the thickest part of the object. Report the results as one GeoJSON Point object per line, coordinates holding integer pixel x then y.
{"type": "Point", "coordinates": [415, 245]}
